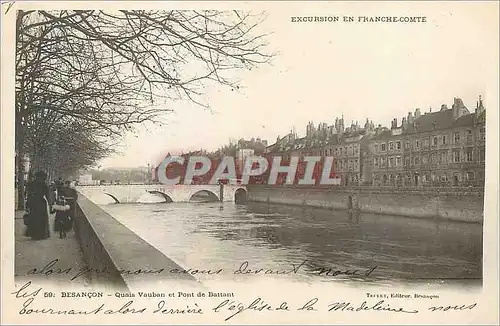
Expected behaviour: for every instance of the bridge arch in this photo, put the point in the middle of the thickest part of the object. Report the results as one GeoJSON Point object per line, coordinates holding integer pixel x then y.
{"type": "Point", "coordinates": [204, 193]}
{"type": "Point", "coordinates": [240, 196]}
{"type": "Point", "coordinates": [168, 199]}
{"type": "Point", "coordinates": [114, 198]}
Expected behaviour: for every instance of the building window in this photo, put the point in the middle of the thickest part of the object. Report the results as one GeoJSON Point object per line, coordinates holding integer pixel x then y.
{"type": "Point", "coordinates": [456, 156]}
{"type": "Point", "coordinates": [433, 158]}
{"type": "Point", "coordinates": [382, 161]}
{"type": "Point", "coordinates": [481, 155]}
{"type": "Point", "coordinates": [398, 145]}
{"type": "Point", "coordinates": [468, 135]}
{"type": "Point", "coordinates": [376, 147]}
{"type": "Point", "coordinates": [382, 147]}
{"type": "Point", "coordinates": [444, 140]}
{"type": "Point", "coordinates": [425, 159]}
{"type": "Point", "coordinates": [391, 146]}
{"type": "Point", "coordinates": [444, 157]}
{"type": "Point", "coordinates": [470, 176]}
{"type": "Point", "coordinates": [415, 160]}
{"type": "Point", "coordinates": [435, 141]}
{"type": "Point", "coordinates": [457, 138]}
{"type": "Point", "coordinates": [469, 155]}
{"type": "Point", "coordinates": [375, 161]}
{"type": "Point", "coordinates": [398, 161]}
{"type": "Point", "coordinates": [482, 134]}
{"type": "Point", "coordinates": [417, 144]}
{"type": "Point", "coordinates": [426, 142]}
{"type": "Point", "coordinates": [391, 162]}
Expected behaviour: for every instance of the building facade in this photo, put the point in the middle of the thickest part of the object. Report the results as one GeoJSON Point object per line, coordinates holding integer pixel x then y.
{"type": "Point", "coordinates": [443, 148]}
{"type": "Point", "coordinates": [348, 146]}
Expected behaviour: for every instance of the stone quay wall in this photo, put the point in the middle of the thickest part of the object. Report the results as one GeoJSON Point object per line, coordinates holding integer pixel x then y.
{"type": "Point", "coordinates": [464, 205]}
{"type": "Point", "coordinates": [116, 256]}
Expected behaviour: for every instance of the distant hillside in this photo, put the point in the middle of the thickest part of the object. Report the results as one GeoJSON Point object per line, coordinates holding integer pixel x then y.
{"type": "Point", "coordinates": [124, 175]}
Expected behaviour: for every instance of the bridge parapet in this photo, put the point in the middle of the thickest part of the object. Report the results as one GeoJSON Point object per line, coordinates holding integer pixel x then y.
{"type": "Point", "coordinates": [114, 254]}
{"type": "Point", "coordinates": [175, 193]}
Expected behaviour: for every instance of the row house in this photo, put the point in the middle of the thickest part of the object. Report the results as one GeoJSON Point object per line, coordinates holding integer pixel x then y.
{"type": "Point", "coordinates": [443, 148]}
{"type": "Point", "coordinates": [348, 150]}
{"type": "Point", "coordinates": [347, 145]}
{"type": "Point", "coordinates": [292, 146]}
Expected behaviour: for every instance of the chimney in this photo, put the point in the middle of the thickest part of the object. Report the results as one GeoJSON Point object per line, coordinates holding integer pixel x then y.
{"type": "Point", "coordinates": [394, 123]}
{"type": "Point", "coordinates": [444, 107]}
{"type": "Point", "coordinates": [480, 107]}
{"type": "Point", "coordinates": [458, 107]}
{"type": "Point", "coordinates": [404, 123]}
{"type": "Point", "coordinates": [410, 118]}
{"type": "Point", "coordinates": [417, 113]}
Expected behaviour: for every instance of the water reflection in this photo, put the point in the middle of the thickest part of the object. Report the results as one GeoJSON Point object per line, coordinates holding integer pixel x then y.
{"type": "Point", "coordinates": [223, 235]}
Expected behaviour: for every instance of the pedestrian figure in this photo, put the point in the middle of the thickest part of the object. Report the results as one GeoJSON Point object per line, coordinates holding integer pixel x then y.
{"type": "Point", "coordinates": [38, 208]}
{"type": "Point", "coordinates": [59, 184]}
{"type": "Point", "coordinates": [70, 195]}
{"type": "Point", "coordinates": [62, 222]}
{"type": "Point", "coordinates": [52, 196]}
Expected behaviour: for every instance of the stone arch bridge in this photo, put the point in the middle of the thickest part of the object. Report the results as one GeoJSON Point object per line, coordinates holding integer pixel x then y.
{"type": "Point", "coordinates": [175, 193]}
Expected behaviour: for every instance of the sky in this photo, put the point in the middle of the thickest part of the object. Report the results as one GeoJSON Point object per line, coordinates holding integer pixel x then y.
{"type": "Point", "coordinates": [378, 71]}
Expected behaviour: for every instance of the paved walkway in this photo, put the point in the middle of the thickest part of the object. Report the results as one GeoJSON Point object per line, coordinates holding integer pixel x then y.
{"type": "Point", "coordinates": [50, 256]}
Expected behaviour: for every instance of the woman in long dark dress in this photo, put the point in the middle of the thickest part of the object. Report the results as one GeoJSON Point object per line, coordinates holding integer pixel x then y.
{"type": "Point", "coordinates": [38, 220]}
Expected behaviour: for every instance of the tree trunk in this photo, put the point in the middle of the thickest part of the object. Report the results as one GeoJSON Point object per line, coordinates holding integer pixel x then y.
{"type": "Point", "coordinates": [20, 178]}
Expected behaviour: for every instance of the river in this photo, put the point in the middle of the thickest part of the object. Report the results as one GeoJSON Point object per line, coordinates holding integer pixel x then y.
{"type": "Point", "coordinates": [225, 235]}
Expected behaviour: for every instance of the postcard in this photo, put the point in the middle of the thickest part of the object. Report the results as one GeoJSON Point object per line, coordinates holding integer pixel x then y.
{"type": "Point", "coordinates": [250, 163]}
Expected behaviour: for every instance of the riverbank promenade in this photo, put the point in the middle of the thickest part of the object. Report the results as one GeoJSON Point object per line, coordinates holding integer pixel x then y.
{"type": "Point", "coordinates": [47, 256]}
